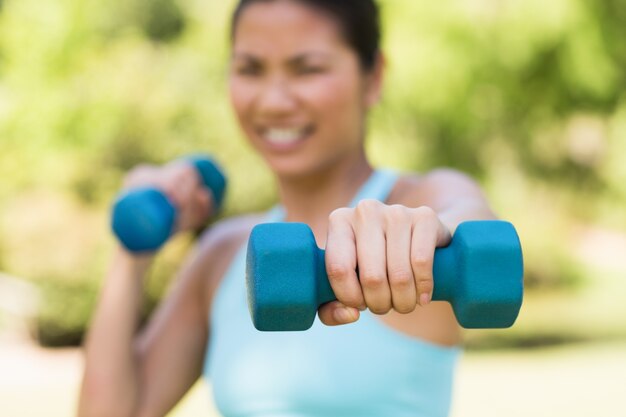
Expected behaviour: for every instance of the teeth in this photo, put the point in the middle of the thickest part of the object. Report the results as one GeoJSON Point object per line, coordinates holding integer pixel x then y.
{"type": "Point", "coordinates": [283, 136]}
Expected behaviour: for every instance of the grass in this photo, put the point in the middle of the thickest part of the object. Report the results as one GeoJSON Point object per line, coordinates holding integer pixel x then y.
{"type": "Point", "coordinates": [574, 381]}
{"type": "Point", "coordinates": [593, 311]}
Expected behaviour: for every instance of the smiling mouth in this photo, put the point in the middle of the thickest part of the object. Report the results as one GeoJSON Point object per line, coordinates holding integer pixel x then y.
{"type": "Point", "coordinates": [284, 137]}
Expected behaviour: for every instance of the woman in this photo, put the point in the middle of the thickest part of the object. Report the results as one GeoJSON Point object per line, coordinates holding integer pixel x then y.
{"type": "Point", "coordinates": [303, 76]}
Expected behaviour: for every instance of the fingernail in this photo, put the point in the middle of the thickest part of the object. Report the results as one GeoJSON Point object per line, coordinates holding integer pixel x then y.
{"type": "Point", "coordinates": [424, 299]}
{"type": "Point", "coordinates": [345, 315]}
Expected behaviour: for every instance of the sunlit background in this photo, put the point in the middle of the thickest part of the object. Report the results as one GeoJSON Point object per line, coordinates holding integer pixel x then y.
{"type": "Point", "coordinates": [528, 96]}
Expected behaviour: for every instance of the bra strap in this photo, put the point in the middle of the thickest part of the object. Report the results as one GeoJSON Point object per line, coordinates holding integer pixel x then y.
{"type": "Point", "coordinates": [377, 187]}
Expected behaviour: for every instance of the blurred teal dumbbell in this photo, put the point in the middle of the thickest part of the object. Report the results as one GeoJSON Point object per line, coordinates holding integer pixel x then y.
{"type": "Point", "coordinates": [143, 219]}
{"type": "Point", "coordinates": [480, 273]}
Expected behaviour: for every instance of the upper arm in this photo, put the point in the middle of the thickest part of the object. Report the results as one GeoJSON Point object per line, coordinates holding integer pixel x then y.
{"type": "Point", "coordinates": [453, 195]}
{"type": "Point", "coordinates": [171, 349]}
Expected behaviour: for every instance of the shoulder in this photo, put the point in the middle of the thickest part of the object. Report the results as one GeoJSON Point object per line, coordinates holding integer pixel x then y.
{"type": "Point", "coordinates": [216, 248]}
{"type": "Point", "coordinates": [227, 233]}
{"type": "Point", "coordinates": [436, 188]}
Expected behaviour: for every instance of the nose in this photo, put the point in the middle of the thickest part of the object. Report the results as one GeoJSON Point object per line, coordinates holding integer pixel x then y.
{"type": "Point", "coordinates": [276, 98]}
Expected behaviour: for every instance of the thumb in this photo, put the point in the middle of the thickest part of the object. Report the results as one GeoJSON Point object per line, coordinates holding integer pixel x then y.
{"type": "Point", "coordinates": [335, 313]}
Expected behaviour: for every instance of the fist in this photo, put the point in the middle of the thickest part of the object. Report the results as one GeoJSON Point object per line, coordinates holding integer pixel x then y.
{"type": "Point", "coordinates": [380, 257]}
{"type": "Point", "coordinates": [180, 182]}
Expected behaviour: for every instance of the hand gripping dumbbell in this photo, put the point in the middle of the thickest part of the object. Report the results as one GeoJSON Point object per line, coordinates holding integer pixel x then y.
{"type": "Point", "coordinates": [480, 273]}
{"type": "Point", "coordinates": [144, 218]}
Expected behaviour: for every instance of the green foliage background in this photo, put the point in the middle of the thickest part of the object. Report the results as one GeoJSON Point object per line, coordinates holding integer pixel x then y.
{"type": "Point", "coordinates": [528, 96]}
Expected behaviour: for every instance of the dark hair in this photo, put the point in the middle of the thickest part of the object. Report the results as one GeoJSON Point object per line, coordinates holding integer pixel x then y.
{"type": "Point", "coordinates": [358, 20]}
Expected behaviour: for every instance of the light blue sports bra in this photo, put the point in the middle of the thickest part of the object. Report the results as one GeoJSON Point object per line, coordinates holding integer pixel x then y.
{"type": "Point", "coordinates": [361, 369]}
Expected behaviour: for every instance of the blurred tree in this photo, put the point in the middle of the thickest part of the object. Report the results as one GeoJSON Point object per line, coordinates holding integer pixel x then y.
{"type": "Point", "coordinates": [528, 96]}
{"type": "Point", "coordinates": [161, 20]}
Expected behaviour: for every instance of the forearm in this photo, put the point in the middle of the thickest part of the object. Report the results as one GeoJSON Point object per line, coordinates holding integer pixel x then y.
{"type": "Point", "coordinates": [110, 382]}
{"type": "Point", "coordinates": [465, 209]}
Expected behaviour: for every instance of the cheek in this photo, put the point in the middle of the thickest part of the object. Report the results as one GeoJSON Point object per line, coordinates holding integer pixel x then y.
{"type": "Point", "coordinates": [241, 96]}
{"type": "Point", "coordinates": [337, 99]}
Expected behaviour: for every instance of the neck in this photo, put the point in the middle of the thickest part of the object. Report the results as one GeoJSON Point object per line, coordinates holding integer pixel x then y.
{"type": "Point", "coordinates": [311, 198]}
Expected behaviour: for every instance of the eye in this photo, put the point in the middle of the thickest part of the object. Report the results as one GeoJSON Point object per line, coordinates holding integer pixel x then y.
{"type": "Point", "coordinates": [248, 70]}
{"type": "Point", "coordinates": [310, 69]}
{"type": "Point", "coordinates": [313, 70]}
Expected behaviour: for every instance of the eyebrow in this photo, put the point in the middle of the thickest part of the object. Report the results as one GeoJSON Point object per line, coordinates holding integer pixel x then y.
{"type": "Point", "coordinates": [292, 60]}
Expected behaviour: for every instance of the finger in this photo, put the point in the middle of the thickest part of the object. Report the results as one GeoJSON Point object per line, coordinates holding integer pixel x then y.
{"type": "Point", "coordinates": [198, 211]}
{"type": "Point", "coordinates": [141, 176]}
{"type": "Point", "coordinates": [399, 271]}
{"type": "Point", "coordinates": [180, 182]}
{"type": "Point", "coordinates": [203, 204]}
{"type": "Point", "coordinates": [423, 243]}
{"type": "Point", "coordinates": [335, 313]}
{"type": "Point", "coordinates": [368, 228]}
{"type": "Point", "coordinates": [341, 259]}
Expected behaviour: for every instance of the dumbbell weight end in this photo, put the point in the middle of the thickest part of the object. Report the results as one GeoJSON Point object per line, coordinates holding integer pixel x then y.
{"type": "Point", "coordinates": [481, 273]}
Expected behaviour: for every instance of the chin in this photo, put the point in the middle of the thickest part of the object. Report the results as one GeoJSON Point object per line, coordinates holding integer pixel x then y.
{"type": "Point", "coordinates": [290, 170]}
{"type": "Point", "coordinates": [295, 168]}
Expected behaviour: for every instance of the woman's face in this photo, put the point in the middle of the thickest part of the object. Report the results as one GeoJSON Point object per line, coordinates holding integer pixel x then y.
{"type": "Point", "coordinates": [297, 87]}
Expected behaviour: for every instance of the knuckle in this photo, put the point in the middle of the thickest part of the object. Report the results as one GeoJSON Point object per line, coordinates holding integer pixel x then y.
{"type": "Point", "coordinates": [424, 284]}
{"type": "Point", "coordinates": [425, 213]}
{"type": "Point", "coordinates": [354, 300]}
{"type": "Point", "coordinates": [380, 309]}
{"type": "Point", "coordinates": [138, 174]}
{"type": "Point", "coordinates": [365, 207]}
{"type": "Point", "coordinates": [401, 279]}
{"type": "Point", "coordinates": [421, 263]}
{"type": "Point", "coordinates": [396, 213]}
{"type": "Point", "coordinates": [340, 214]}
{"type": "Point", "coordinates": [183, 172]}
{"type": "Point", "coordinates": [338, 271]}
{"type": "Point", "coordinates": [141, 168]}
{"type": "Point", "coordinates": [404, 308]}
{"type": "Point", "coordinates": [372, 280]}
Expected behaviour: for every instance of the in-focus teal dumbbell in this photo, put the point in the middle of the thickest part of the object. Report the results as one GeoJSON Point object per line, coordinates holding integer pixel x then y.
{"type": "Point", "coordinates": [144, 218]}
{"type": "Point", "coordinates": [480, 273]}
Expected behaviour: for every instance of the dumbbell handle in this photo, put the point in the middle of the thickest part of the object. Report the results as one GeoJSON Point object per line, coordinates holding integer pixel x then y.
{"type": "Point", "coordinates": [144, 218]}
